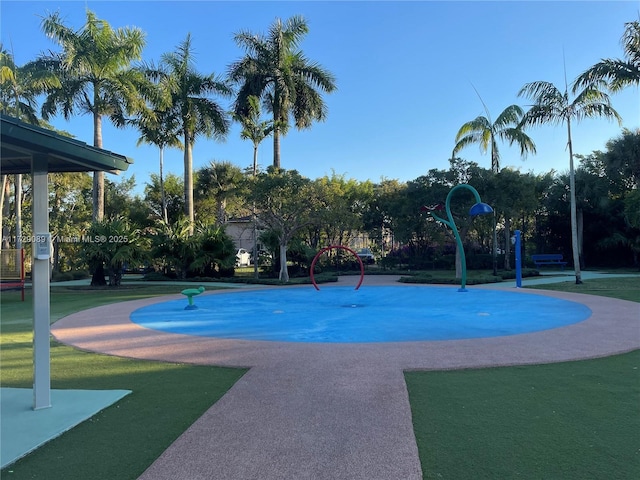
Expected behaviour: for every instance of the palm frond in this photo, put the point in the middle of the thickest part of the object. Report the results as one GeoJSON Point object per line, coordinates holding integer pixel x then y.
{"type": "Point", "coordinates": [509, 116]}
{"type": "Point", "coordinates": [631, 42]}
{"type": "Point", "coordinates": [313, 74]}
{"type": "Point", "coordinates": [596, 110]}
{"type": "Point", "coordinates": [541, 114]}
{"type": "Point", "coordinates": [617, 74]}
{"type": "Point", "coordinates": [308, 106]}
{"type": "Point", "coordinates": [542, 92]}
{"type": "Point", "coordinates": [295, 28]}
{"type": "Point", "coordinates": [6, 74]}
{"type": "Point", "coordinates": [592, 93]}
{"type": "Point", "coordinates": [517, 136]}
{"type": "Point", "coordinates": [477, 125]}
{"type": "Point", "coordinates": [550, 104]}
{"type": "Point", "coordinates": [251, 43]}
{"type": "Point", "coordinates": [593, 102]}
{"type": "Point", "coordinates": [466, 141]}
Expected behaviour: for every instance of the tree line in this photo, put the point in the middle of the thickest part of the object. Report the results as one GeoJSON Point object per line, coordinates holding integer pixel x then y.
{"type": "Point", "coordinates": [298, 216]}
{"type": "Point", "coordinates": [171, 104]}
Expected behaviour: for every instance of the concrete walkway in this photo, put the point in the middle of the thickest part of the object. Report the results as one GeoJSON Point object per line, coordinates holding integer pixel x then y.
{"type": "Point", "coordinates": [327, 411]}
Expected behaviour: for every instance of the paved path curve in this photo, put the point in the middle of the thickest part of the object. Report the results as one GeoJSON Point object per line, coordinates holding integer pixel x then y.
{"type": "Point", "coordinates": [327, 411]}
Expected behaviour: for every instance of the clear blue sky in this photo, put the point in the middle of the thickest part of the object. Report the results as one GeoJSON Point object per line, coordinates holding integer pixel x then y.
{"type": "Point", "coordinates": [404, 72]}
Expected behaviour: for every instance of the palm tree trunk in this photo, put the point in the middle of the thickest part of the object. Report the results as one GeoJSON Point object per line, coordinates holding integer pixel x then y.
{"type": "Point", "coordinates": [495, 162]}
{"type": "Point", "coordinates": [494, 169]}
{"type": "Point", "coordinates": [255, 159]}
{"type": "Point", "coordinates": [18, 210]}
{"type": "Point", "coordinates": [163, 198]}
{"type": "Point", "coordinates": [98, 177]}
{"type": "Point", "coordinates": [188, 180]}
{"type": "Point", "coordinates": [276, 148]}
{"type": "Point", "coordinates": [256, 254]}
{"type": "Point", "coordinates": [222, 211]}
{"type": "Point", "coordinates": [98, 278]}
{"type": "Point", "coordinates": [98, 196]}
{"type": "Point", "coordinates": [574, 215]}
{"type": "Point", "coordinates": [4, 181]}
{"type": "Point", "coordinates": [494, 241]}
{"type": "Point", "coordinates": [4, 210]}
{"type": "Point", "coordinates": [55, 262]}
{"type": "Point", "coordinates": [580, 223]}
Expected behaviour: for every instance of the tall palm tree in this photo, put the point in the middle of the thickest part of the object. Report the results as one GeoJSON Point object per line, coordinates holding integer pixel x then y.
{"type": "Point", "coordinates": [159, 129]}
{"type": "Point", "coordinates": [18, 99]}
{"type": "Point", "coordinates": [483, 131]}
{"type": "Point", "coordinates": [20, 86]}
{"type": "Point", "coordinates": [96, 77]}
{"type": "Point", "coordinates": [197, 114]}
{"type": "Point", "coordinates": [276, 71]}
{"type": "Point", "coordinates": [158, 126]}
{"type": "Point", "coordinates": [617, 73]}
{"type": "Point", "coordinates": [554, 107]}
{"type": "Point", "coordinates": [219, 182]}
{"type": "Point", "coordinates": [253, 128]}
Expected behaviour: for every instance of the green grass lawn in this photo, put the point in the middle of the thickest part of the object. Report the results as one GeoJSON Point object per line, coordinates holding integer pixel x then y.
{"type": "Point", "coordinates": [574, 420]}
{"type": "Point", "coordinates": [122, 440]}
{"type": "Point", "coordinates": [624, 288]}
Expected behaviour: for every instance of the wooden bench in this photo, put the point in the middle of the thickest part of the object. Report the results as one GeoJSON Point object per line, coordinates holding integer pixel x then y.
{"type": "Point", "coordinates": [541, 259]}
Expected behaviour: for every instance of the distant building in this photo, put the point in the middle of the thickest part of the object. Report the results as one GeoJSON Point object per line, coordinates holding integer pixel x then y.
{"type": "Point", "coordinates": [241, 232]}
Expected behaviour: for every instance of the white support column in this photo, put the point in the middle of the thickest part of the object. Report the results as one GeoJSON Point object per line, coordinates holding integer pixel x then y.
{"type": "Point", "coordinates": [40, 281]}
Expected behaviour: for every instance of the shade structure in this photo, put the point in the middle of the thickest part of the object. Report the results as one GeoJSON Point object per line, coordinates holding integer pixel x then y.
{"type": "Point", "coordinates": [21, 142]}
{"type": "Point", "coordinates": [26, 148]}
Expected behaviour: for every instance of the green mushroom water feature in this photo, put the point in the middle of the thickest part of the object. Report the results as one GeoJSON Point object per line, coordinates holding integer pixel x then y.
{"type": "Point", "coordinates": [190, 293]}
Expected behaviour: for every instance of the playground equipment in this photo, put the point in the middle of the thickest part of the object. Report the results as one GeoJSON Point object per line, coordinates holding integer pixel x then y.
{"type": "Point", "coordinates": [331, 247]}
{"type": "Point", "coordinates": [190, 293]}
{"type": "Point", "coordinates": [516, 240]}
{"type": "Point", "coordinates": [478, 209]}
{"type": "Point", "coordinates": [12, 270]}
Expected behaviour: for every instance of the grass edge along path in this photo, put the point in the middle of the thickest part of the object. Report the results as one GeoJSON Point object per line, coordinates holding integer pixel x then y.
{"type": "Point", "coordinates": [122, 440]}
{"type": "Point", "coordinates": [572, 420]}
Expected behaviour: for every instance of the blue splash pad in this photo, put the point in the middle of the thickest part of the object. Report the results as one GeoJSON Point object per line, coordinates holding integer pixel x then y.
{"type": "Point", "coordinates": [371, 314]}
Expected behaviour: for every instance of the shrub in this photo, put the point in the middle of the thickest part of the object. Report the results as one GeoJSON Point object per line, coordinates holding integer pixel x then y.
{"type": "Point", "coordinates": [483, 261]}
{"type": "Point", "coordinates": [61, 276]}
{"type": "Point", "coordinates": [526, 272]}
{"type": "Point", "coordinates": [80, 274]}
{"type": "Point", "coordinates": [158, 277]}
{"type": "Point", "coordinates": [226, 272]}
